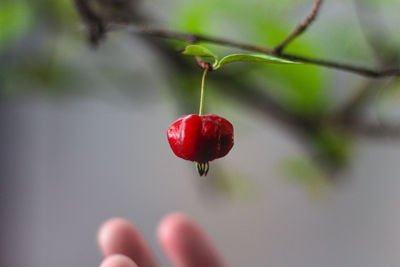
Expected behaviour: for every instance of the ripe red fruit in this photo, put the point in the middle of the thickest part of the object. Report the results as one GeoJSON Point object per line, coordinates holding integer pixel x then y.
{"type": "Point", "coordinates": [201, 138]}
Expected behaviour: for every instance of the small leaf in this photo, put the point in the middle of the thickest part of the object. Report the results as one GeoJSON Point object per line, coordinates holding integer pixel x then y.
{"type": "Point", "coordinates": [16, 16]}
{"type": "Point", "coordinates": [198, 50]}
{"type": "Point", "coordinates": [252, 58]}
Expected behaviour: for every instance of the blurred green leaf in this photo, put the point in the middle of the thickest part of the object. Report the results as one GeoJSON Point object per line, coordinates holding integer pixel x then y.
{"type": "Point", "coordinates": [61, 12]}
{"type": "Point", "coordinates": [39, 75]}
{"type": "Point", "coordinates": [299, 88]}
{"type": "Point", "coordinates": [252, 58]}
{"type": "Point", "coordinates": [332, 146]}
{"type": "Point", "coordinates": [15, 19]}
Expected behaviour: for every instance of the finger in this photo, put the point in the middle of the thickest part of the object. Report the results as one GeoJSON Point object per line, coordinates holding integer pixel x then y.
{"type": "Point", "coordinates": [118, 260]}
{"type": "Point", "coordinates": [119, 236]}
{"type": "Point", "coordinates": [186, 244]}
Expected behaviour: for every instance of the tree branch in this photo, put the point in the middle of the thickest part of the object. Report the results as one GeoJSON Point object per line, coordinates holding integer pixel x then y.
{"type": "Point", "coordinates": [367, 72]}
{"type": "Point", "coordinates": [94, 23]}
{"type": "Point", "coordinates": [375, 130]}
{"type": "Point", "coordinates": [300, 28]}
{"type": "Point", "coordinates": [188, 37]}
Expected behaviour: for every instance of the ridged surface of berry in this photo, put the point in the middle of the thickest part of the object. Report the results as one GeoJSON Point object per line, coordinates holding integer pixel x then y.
{"type": "Point", "coordinates": [200, 138]}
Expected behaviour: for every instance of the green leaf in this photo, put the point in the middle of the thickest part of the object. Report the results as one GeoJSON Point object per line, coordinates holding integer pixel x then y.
{"type": "Point", "coordinates": [333, 147]}
{"type": "Point", "coordinates": [252, 58]}
{"type": "Point", "coordinates": [16, 18]}
{"type": "Point", "coordinates": [198, 50]}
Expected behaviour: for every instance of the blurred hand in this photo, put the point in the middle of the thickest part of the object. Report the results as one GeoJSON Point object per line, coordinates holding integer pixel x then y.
{"type": "Point", "coordinates": [182, 240]}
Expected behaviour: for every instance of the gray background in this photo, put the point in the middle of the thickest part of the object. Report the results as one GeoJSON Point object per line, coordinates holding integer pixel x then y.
{"type": "Point", "coordinates": [72, 164]}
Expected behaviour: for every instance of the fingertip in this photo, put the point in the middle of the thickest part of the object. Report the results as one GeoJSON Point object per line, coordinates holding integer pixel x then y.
{"type": "Point", "coordinates": [110, 231]}
{"type": "Point", "coordinates": [185, 242]}
{"type": "Point", "coordinates": [120, 236]}
{"type": "Point", "coordinates": [118, 260]}
{"type": "Point", "coordinates": [172, 225]}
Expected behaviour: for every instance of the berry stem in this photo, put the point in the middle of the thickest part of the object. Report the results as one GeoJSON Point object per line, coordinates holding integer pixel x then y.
{"type": "Point", "coordinates": [202, 91]}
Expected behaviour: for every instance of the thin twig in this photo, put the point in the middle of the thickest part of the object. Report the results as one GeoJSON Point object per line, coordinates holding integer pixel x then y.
{"type": "Point", "coordinates": [367, 72]}
{"type": "Point", "coordinates": [94, 23]}
{"type": "Point", "coordinates": [188, 37]}
{"type": "Point", "coordinates": [300, 28]}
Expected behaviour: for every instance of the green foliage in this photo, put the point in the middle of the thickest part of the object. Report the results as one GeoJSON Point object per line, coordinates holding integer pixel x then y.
{"type": "Point", "coordinates": [251, 58]}
{"type": "Point", "coordinates": [61, 12]}
{"type": "Point", "coordinates": [300, 88]}
{"type": "Point", "coordinates": [39, 76]}
{"type": "Point", "coordinates": [198, 50]}
{"type": "Point", "coordinates": [17, 17]}
{"type": "Point", "coordinates": [15, 20]}
{"type": "Point", "coordinates": [332, 146]}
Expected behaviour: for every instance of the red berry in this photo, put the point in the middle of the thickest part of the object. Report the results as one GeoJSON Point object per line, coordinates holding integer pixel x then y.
{"type": "Point", "coordinates": [201, 138]}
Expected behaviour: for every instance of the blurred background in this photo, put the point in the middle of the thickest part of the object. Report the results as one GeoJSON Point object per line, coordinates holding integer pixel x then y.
{"type": "Point", "coordinates": [83, 133]}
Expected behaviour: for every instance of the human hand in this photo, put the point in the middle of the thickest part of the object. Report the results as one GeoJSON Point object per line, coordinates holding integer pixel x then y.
{"type": "Point", "coordinates": [183, 241]}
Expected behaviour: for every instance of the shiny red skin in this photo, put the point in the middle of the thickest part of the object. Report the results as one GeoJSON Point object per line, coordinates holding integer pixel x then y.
{"type": "Point", "coordinates": [200, 138]}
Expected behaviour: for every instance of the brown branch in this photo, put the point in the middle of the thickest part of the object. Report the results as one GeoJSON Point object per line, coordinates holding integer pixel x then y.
{"type": "Point", "coordinates": [300, 28]}
{"type": "Point", "coordinates": [375, 130]}
{"type": "Point", "coordinates": [367, 72]}
{"type": "Point", "coordinates": [188, 37]}
{"type": "Point", "coordinates": [94, 23]}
